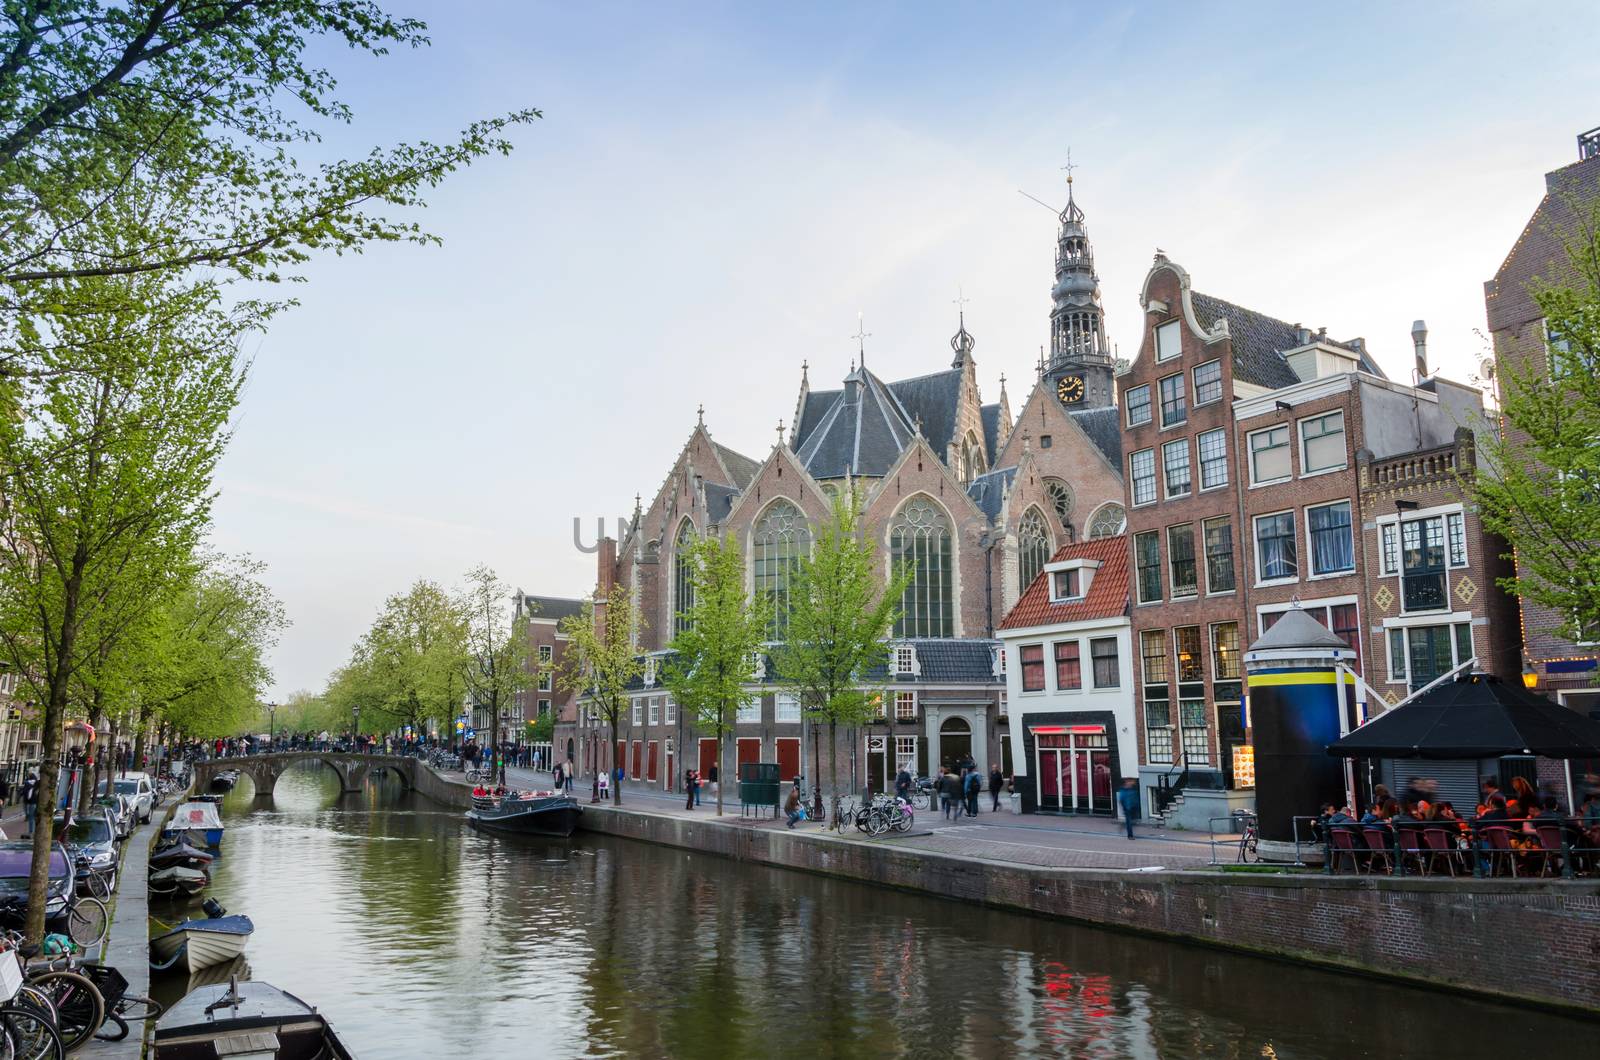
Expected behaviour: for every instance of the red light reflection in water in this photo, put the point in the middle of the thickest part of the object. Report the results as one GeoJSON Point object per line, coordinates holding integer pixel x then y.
{"type": "Point", "coordinates": [1073, 1003]}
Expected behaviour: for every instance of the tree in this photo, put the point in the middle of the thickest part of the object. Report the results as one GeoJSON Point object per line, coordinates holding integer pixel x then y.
{"type": "Point", "coordinates": [106, 469]}
{"type": "Point", "coordinates": [197, 97]}
{"type": "Point", "coordinates": [496, 644]}
{"type": "Point", "coordinates": [600, 662]}
{"type": "Point", "coordinates": [839, 618]}
{"type": "Point", "coordinates": [408, 666]}
{"type": "Point", "coordinates": [540, 729]}
{"type": "Point", "coordinates": [1538, 485]}
{"type": "Point", "coordinates": [715, 652]}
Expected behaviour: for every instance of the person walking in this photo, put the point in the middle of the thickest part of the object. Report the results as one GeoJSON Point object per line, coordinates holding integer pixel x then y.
{"type": "Point", "coordinates": [712, 776]}
{"type": "Point", "coordinates": [688, 788]}
{"type": "Point", "coordinates": [949, 793]}
{"type": "Point", "coordinates": [997, 783]}
{"type": "Point", "coordinates": [30, 801]}
{"type": "Point", "coordinates": [974, 786]}
{"type": "Point", "coordinates": [1128, 799]}
{"type": "Point", "coordinates": [566, 777]}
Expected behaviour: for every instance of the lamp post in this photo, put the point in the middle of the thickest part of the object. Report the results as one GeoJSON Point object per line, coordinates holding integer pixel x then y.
{"type": "Point", "coordinates": [76, 736]}
{"type": "Point", "coordinates": [1530, 677]}
{"type": "Point", "coordinates": [355, 727]}
{"type": "Point", "coordinates": [272, 730]}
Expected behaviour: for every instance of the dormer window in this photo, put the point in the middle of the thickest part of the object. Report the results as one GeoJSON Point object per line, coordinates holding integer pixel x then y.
{"type": "Point", "coordinates": [1067, 585]}
{"type": "Point", "coordinates": [1069, 581]}
{"type": "Point", "coordinates": [649, 671]}
{"type": "Point", "coordinates": [905, 660]}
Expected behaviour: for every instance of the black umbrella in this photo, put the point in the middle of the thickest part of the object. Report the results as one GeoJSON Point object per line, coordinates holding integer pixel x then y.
{"type": "Point", "coordinates": [1476, 717]}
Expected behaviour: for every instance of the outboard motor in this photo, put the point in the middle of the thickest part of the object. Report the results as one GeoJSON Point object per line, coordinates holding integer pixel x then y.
{"type": "Point", "coordinates": [213, 909]}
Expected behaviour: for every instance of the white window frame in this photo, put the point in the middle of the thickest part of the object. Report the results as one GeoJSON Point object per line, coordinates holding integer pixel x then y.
{"type": "Point", "coordinates": [653, 708]}
{"type": "Point", "coordinates": [1188, 461]}
{"type": "Point", "coordinates": [1133, 479]}
{"type": "Point", "coordinates": [904, 659]}
{"type": "Point", "coordinates": [1306, 471]}
{"type": "Point", "coordinates": [786, 708]}
{"type": "Point", "coordinates": [1200, 460]}
{"type": "Point", "coordinates": [749, 711]}
{"type": "Point", "coordinates": [1149, 405]}
{"type": "Point", "coordinates": [546, 653]}
{"type": "Point", "coordinates": [638, 711]}
{"type": "Point", "coordinates": [1183, 394]}
{"type": "Point", "coordinates": [1169, 341]}
{"type": "Point", "coordinates": [1255, 542]}
{"type": "Point", "coordinates": [1071, 573]}
{"type": "Point", "coordinates": [1288, 447]}
{"type": "Point", "coordinates": [670, 711]}
{"type": "Point", "coordinates": [1194, 380]}
{"type": "Point", "coordinates": [544, 707]}
{"type": "Point", "coordinates": [544, 681]}
{"type": "Point", "coordinates": [1312, 573]}
{"type": "Point", "coordinates": [901, 699]}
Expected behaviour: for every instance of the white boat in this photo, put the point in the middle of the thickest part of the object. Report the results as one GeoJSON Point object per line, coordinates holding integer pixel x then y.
{"type": "Point", "coordinates": [200, 820]}
{"type": "Point", "coordinates": [197, 944]}
{"type": "Point", "coordinates": [178, 880]}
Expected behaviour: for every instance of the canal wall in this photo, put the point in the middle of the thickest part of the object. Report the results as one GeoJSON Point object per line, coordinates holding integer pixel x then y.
{"type": "Point", "coordinates": [1460, 934]}
{"type": "Point", "coordinates": [456, 794]}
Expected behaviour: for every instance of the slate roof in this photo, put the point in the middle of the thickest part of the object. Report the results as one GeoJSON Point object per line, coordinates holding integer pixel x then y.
{"type": "Point", "coordinates": [1108, 590]}
{"type": "Point", "coordinates": [1259, 342]}
{"type": "Point", "coordinates": [552, 607]}
{"type": "Point", "coordinates": [988, 491]}
{"type": "Point", "coordinates": [953, 661]}
{"type": "Point", "coordinates": [1104, 428]}
{"type": "Point", "coordinates": [812, 410]}
{"type": "Point", "coordinates": [862, 433]}
{"type": "Point", "coordinates": [932, 400]}
{"type": "Point", "coordinates": [719, 501]}
{"type": "Point", "coordinates": [991, 431]}
{"type": "Point", "coordinates": [741, 467]}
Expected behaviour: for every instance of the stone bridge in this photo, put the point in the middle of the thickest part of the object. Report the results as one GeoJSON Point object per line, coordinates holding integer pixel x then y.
{"type": "Point", "coordinates": [265, 769]}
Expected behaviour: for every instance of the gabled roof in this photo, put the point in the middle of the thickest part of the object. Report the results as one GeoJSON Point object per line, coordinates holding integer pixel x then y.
{"type": "Point", "coordinates": [932, 400]}
{"type": "Point", "coordinates": [991, 431]}
{"type": "Point", "coordinates": [1108, 589]}
{"type": "Point", "coordinates": [813, 409]}
{"type": "Point", "coordinates": [1104, 428]}
{"type": "Point", "coordinates": [556, 607]}
{"type": "Point", "coordinates": [719, 501]}
{"type": "Point", "coordinates": [1259, 342]}
{"type": "Point", "coordinates": [862, 433]}
{"type": "Point", "coordinates": [988, 491]}
{"type": "Point", "coordinates": [741, 467]}
{"type": "Point", "coordinates": [965, 661]}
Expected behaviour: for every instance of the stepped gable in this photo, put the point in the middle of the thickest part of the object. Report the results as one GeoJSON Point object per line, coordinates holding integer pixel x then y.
{"type": "Point", "coordinates": [1108, 590]}
{"type": "Point", "coordinates": [1104, 428]}
{"type": "Point", "coordinates": [988, 491]}
{"type": "Point", "coordinates": [1259, 342]}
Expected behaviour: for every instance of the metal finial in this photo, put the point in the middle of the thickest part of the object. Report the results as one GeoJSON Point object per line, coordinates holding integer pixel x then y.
{"type": "Point", "coordinates": [780, 434]}
{"type": "Point", "coordinates": [960, 302]}
{"type": "Point", "coordinates": [861, 336]}
{"type": "Point", "coordinates": [700, 415]}
{"type": "Point", "coordinates": [1069, 167]}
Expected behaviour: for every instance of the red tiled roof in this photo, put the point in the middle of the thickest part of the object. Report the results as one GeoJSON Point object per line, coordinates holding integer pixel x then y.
{"type": "Point", "coordinates": [1108, 590]}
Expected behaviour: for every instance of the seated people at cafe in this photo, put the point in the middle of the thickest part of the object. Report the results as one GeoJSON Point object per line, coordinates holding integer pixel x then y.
{"type": "Point", "coordinates": [1550, 811]}
{"type": "Point", "coordinates": [1496, 810]}
{"type": "Point", "coordinates": [1408, 814]}
{"type": "Point", "coordinates": [1526, 797]}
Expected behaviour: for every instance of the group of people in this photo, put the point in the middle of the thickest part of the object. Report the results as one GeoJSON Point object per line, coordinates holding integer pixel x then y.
{"type": "Point", "coordinates": [693, 781]}
{"type": "Point", "coordinates": [959, 789]}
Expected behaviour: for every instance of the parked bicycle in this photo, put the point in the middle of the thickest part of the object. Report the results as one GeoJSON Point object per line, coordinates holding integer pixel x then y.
{"type": "Point", "coordinates": [1248, 853]}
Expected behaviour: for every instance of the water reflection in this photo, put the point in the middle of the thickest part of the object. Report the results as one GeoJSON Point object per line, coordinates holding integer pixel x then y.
{"type": "Point", "coordinates": [415, 934]}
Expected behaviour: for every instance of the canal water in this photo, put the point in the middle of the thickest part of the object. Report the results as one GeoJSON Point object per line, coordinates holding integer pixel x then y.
{"type": "Point", "coordinates": [422, 938]}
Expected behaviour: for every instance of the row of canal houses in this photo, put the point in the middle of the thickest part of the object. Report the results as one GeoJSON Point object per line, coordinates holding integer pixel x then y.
{"type": "Point", "coordinates": [1089, 571]}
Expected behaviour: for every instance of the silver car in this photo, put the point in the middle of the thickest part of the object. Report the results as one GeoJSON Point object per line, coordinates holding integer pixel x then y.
{"type": "Point", "coordinates": [139, 788]}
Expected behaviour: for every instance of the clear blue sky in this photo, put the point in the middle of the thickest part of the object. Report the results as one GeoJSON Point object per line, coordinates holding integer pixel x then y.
{"type": "Point", "coordinates": [717, 190]}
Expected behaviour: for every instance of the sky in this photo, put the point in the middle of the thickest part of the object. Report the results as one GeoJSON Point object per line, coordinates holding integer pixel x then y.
{"type": "Point", "coordinates": [716, 191]}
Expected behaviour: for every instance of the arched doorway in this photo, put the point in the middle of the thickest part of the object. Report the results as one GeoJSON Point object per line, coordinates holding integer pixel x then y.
{"type": "Point", "coordinates": [955, 742]}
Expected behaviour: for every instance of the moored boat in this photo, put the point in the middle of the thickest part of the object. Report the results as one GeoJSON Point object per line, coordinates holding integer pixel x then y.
{"type": "Point", "coordinates": [214, 1018]}
{"type": "Point", "coordinates": [179, 851]}
{"type": "Point", "coordinates": [196, 944]}
{"type": "Point", "coordinates": [526, 813]}
{"type": "Point", "coordinates": [178, 880]}
{"type": "Point", "coordinates": [225, 780]}
{"type": "Point", "coordinates": [196, 821]}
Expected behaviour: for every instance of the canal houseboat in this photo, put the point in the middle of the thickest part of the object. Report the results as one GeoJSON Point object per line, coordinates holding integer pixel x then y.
{"type": "Point", "coordinates": [543, 813]}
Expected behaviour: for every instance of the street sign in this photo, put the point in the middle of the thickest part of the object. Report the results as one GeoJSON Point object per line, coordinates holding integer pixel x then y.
{"type": "Point", "coordinates": [461, 726]}
{"type": "Point", "coordinates": [472, 734]}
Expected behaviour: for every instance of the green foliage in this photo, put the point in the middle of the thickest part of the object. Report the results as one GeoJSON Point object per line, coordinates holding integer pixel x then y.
{"type": "Point", "coordinates": [840, 616]}
{"type": "Point", "coordinates": [408, 667]}
{"type": "Point", "coordinates": [542, 728]}
{"type": "Point", "coordinates": [600, 661]}
{"type": "Point", "coordinates": [1539, 482]}
{"type": "Point", "coordinates": [496, 644]}
{"type": "Point", "coordinates": [715, 652]}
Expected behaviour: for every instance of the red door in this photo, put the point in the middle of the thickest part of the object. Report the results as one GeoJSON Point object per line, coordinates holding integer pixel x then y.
{"type": "Point", "coordinates": [622, 757]}
{"type": "Point", "coordinates": [638, 749]}
{"type": "Point", "coordinates": [708, 758]}
{"type": "Point", "coordinates": [749, 751]}
{"type": "Point", "coordinates": [655, 747]}
{"type": "Point", "coordinates": [788, 748]}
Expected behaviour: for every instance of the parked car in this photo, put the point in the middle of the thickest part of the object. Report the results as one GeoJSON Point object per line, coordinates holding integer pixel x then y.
{"type": "Point", "coordinates": [138, 787]}
{"type": "Point", "coordinates": [121, 810]}
{"type": "Point", "coordinates": [91, 841]}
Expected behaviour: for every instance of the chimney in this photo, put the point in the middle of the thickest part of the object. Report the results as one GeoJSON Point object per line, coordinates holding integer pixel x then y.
{"type": "Point", "coordinates": [1419, 339]}
{"type": "Point", "coordinates": [607, 563]}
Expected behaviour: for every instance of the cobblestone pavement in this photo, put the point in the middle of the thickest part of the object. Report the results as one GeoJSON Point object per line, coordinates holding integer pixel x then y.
{"type": "Point", "coordinates": [1044, 840]}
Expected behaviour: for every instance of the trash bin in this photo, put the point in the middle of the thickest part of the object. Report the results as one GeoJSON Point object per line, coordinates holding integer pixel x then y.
{"type": "Point", "coordinates": [1016, 802]}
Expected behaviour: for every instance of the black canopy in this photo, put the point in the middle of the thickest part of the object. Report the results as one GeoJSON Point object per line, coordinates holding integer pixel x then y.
{"type": "Point", "coordinates": [1476, 717]}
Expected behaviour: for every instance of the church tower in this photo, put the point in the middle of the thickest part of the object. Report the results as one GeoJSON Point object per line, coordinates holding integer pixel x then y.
{"type": "Point", "coordinates": [1080, 365]}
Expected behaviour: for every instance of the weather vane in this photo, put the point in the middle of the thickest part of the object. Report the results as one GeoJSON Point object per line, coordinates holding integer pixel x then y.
{"type": "Point", "coordinates": [861, 336]}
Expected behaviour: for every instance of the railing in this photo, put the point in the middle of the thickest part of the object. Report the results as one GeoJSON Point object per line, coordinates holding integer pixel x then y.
{"type": "Point", "coordinates": [1535, 847]}
{"type": "Point", "coordinates": [1423, 591]}
{"type": "Point", "coordinates": [1420, 468]}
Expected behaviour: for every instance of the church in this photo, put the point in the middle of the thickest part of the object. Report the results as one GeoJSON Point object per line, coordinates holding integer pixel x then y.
{"type": "Point", "coordinates": [973, 498]}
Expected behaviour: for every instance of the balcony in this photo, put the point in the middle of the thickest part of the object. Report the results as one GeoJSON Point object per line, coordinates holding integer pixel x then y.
{"type": "Point", "coordinates": [1423, 591]}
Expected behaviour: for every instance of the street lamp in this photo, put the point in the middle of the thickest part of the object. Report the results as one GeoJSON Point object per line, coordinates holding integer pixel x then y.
{"type": "Point", "coordinates": [272, 731]}
{"type": "Point", "coordinates": [1530, 676]}
{"type": "Point", "coordinates": [355, 727]}
{"type": "Point", "coordinates": [76, 737]}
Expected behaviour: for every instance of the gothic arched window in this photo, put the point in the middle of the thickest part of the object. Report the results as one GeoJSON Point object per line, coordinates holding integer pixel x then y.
{"type": "Point", "coordinates": [1061, 499]}
{"type": "Point", "coordinates": [683, 577]}
{"type": "Point", "coordinates": [1033, 547]}
{"type": "Point", "coordinates": [781, 541]}
{"type": "Point", "coordinates": [919, 540]}
{"type": "Point", "coordinates": [1108, 520]}
{"type": "Point", "coordinates": [972, 461]}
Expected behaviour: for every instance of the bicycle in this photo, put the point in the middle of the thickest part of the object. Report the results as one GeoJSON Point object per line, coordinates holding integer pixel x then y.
{"type": "Point", "coordinates": [1248, 853]}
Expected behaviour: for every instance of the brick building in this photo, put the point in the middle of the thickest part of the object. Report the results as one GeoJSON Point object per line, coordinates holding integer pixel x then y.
{"type": "Point", "coordinates": [974, 502]}
{"type": "Point", "coordinates": [546, 647]}
{"type": "Point", "coordinates": [1246, 438]}
{"type": "Point", "coordinates": [1566, 666]}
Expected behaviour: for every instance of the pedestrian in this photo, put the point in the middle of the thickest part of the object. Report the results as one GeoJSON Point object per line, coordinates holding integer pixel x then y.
{"type": "Point", "coordinates": [949, 793]}
{"type": "Point", "coordinates": [974, 786]}
{"type": "Point", "coordinates": [1128, 799]}
{"type": "Point", "coordinates": [713, 776]}
{"type": "Point", "coordinates": [605, 786]}
{"type": "Point", "coordinates": [688, 788]}
{"type": "Point", "coordinates": [902, 782]}
{"type": "Point", "coordinates": [697, 786]}
{"type": "Point", "coordinates": [556, 779]}
{"type": "Point", "coordinates": [567, 776]}
{"type": "Point", "coordinates": [791, 805]}
{"type": "Point", "coordinates": [30, 801]}
{"type": "Point", "coordinates": [997, 781]}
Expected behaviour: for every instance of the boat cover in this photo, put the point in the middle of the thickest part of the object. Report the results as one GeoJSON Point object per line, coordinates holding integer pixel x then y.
{"type": "Point", "coordinates": [195, 815]}
{"type": "Point", "coordinates": [227, 925]}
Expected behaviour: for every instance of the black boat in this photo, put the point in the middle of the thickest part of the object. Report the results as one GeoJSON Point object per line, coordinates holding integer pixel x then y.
{"type": "Point", "coordinates": [526, 813]}
{"type": "Point", "coordinates": [253, 1019]}
{"type": "Point", "coordinates": [225, 780]}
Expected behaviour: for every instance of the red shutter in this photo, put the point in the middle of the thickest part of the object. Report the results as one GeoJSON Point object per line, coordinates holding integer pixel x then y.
{"type": "Point", "coordinates": [655, 748]}
{"type": "Point", "coordinates": [788, 758]}
{"type": "Point", "coordinates": [708, 758]}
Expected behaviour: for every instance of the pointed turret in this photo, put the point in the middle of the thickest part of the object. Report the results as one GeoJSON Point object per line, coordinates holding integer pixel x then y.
{"type": "Point", "coordinates": [1080, 361]}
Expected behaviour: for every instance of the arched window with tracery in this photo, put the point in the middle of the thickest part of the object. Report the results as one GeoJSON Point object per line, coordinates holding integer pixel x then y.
{"type": "Point", "coordinates": [1108, 520]}
{"type": "Point", "coordinates": [1033, 547]}
{"type": "Point", "coordinates": [919, 540]}
{"type": "Point", "coordinates": [972, 461]}
{"type": "Point", "coordinates": [1061, 500]}
{"type": "Point", "coordinates": [782, 540]}
{"type": "Point", "coordinates": [683, 577]}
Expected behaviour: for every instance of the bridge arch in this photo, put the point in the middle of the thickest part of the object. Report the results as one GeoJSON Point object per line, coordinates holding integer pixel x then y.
{"type": "Point", "coordinates": [265, 769]}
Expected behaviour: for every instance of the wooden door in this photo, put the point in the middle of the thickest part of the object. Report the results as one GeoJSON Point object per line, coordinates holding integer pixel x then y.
{"type": "Point", "coordinates": [788, 748]}
{"type": "Point", "coordinates": [650, 771]}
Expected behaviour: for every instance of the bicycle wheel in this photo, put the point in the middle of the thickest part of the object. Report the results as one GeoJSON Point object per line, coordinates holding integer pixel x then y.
{"type": "Point", "coordinates": [102, 884]}
{"type": "Point", "coordinates": [877, 823]}
{"type": "Point", "coordinates": [30, 996]}
{"type": "Point", "coordinates": [29, 1036]}
{"type": "Point", "coordinates": [79, 1007]}
{"type": "Point", "coordinates": [87, 922]}
{"type": "Point", "coordinates": [1247, 849]}
{"type": "Point", "coordinates": [902, 821]}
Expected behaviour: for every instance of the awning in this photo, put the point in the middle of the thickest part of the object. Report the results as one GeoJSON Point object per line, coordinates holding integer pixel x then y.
{"type": "Point", "coordinates": [1477, 717]}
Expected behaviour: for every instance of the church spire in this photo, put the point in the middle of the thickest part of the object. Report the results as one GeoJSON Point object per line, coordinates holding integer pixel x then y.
{"type": "Point", "coordinates": [1077, 319]}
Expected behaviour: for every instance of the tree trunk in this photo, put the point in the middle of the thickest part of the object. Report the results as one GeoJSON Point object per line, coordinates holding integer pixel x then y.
{"type": "Point", "coordinates": [833, 769]}
{"type": "Point", "coordinates": [611, 749]}
{"type": "Point", "coordinates": [722, 762]}
{"type": "Point", "coordinates": [143, 723]}
{"type": "Point", "coordinates": [50, 770]}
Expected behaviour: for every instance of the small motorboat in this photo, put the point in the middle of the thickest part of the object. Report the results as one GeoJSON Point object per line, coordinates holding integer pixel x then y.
{"type": "Point", "coordinates": [196, 821]}
{"type": "Point", "coordinates": [526, 813]}
{"type": "Point", "coordinates": [246, 1019]}
{"type": "Point", "coordinates": [209, 796]}
{"type": "Point", "coordinates": [197, 944]}
{"type": "Point", "coordinates": [179, 851]}
{"type": "Point", "coordinates": [177, 880]}
{"type": "Point", "coordinates": [225, 780]}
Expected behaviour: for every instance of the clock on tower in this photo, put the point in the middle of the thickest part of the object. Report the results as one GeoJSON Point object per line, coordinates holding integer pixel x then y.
{"type": "Point", "coordinates": [1070, 389]}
